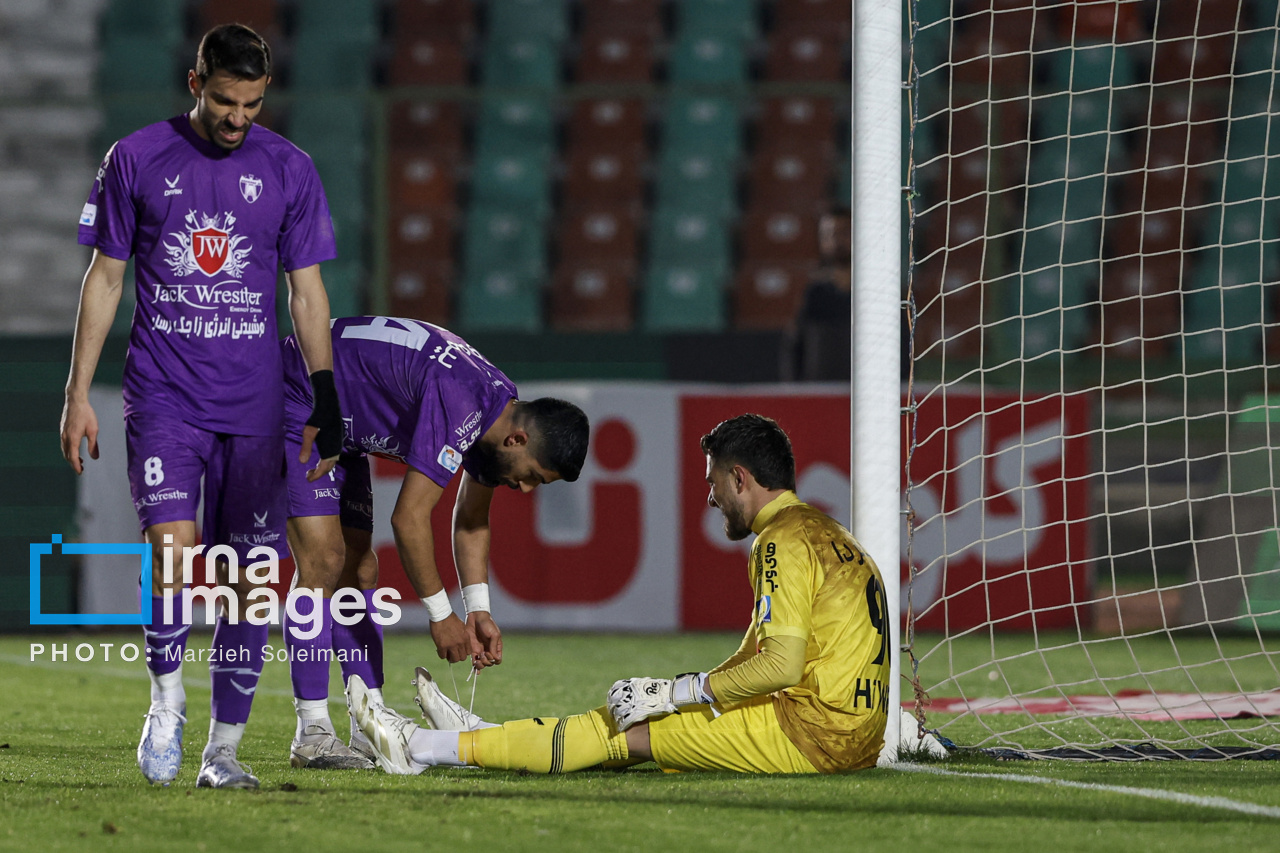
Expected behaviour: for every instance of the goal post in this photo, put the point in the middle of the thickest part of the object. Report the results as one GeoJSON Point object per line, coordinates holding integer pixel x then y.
{"type": "Point", "coordinates": [1091, 463]}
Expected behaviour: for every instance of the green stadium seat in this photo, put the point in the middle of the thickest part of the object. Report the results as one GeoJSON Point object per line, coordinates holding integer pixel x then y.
{"type": "Point", "coordinates": [696, 181]}
{"type": "Point", "coordinates": [330, 128]}
{"type": "Point", "coordinates": [344, 283]}
{"type": "Point", "coordinates": [500, 300]}
{"type": "Point", "coordinates": [1083, 198]}
{"type": "Point", "coordinates": [1076, 114]}
{"type": "Point", "coordinates": [522, 181]}
{"type": "Point", "coordinates": [136, 65]}
{"type": "Point", "coordinates": [121, 117]}
{"type": "Point", "coordinates": [503, 238]}
{"type": "Point", "coordinates": [683, 298]}
{"type": "Point", "coordinates": [1066, 243]}
{"type": "Point", "coordinates": [1079, 157]}
{"type": "Point", "coordinates": [1256, 53]}
{"type": "Point", "coordinates": [1093, 66]}
{"type": "Point", "coordinates": [702, 123]}
{"type": "Point", "coordinates": [515, 125]}
{"type": "Point", "coordinates": [159, 22]}
{"type": "Point", "coordinates": [329, 62]}
{"type": "Point", "coordinates": [525, 61]}
{"type": "Point", "coordinates": [518, 19]}
{"type": "Point", "coordinates": [684, 238]}
{"type": "Point", "coordinates": [343, 20]}
{"type": "Point", "coordinates": [711, 58]}
{"type": "Point", "coordinates": [735, 18]}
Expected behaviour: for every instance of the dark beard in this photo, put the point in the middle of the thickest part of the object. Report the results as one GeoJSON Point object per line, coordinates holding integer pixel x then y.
{"type": "Point", "coordinates": [735, 526]}
{"type": "Point", "coordinates": [486, 466]}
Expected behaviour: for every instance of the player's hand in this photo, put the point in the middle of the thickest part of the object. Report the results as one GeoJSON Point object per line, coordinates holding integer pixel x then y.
{"type": "Point", "coordinates": [453, 641]}
{"type": "Point", "coordinates": [634, 699]}
{"type": "Point", "coordinates": [481, 625]}
{"type": "Point", "coordinates": [78, 422]}
{"type": "Point", "coordinates": [326, 464]}
{"type": "Point", "coordinates": [325, 427]}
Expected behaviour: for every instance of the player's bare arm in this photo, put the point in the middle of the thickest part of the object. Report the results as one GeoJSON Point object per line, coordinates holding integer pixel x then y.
{"type": "Point", "coordinates": [471, 556]}
{"type": "Point", "coordinates": [411, 524]}
{"type": "Point", "coordinates": [99, 298]}
{"type": "Point", "coordinates": [309, 309]}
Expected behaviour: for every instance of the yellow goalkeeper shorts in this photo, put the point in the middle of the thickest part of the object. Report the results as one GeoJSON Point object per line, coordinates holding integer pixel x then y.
{"type": "Point", "coordinates": [747, 739]}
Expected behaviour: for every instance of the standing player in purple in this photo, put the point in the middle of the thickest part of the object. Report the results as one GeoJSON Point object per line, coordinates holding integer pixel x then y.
{"type": "Point", "coordinates": [419, 394]}
{"type": "Point", "coordinates": [209, 205]}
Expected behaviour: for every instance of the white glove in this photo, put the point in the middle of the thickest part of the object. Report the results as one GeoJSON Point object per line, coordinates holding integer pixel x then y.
{"type": "Point", "coordinates": [634, 699]}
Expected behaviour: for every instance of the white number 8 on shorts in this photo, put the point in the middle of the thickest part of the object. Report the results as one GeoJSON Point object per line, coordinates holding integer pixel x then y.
{"type": "Point", "coordinates": [153, 472]}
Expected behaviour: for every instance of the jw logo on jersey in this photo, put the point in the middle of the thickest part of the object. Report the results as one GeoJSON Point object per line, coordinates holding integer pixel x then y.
{"type": "Point", "coordinates": [208, 246]}
{"type": "Point", "coordinates": [250, 188]}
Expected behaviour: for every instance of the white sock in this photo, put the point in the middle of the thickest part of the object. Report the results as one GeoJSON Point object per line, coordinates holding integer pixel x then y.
{"type": "Point", "coordinates": [167, 689]}
{"type": "Point", "coordinates": [312, 712]}
{"type": "Point", "coordinates": [223, 734]}
{"type": "Point", "coordinates": [375, 693]}
{"type": "Point", "coordinates": [431, 747]}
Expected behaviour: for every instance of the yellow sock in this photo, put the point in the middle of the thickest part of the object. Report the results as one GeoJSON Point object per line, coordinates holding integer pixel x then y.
{"type": "Point", "coordinates": [545, 744]}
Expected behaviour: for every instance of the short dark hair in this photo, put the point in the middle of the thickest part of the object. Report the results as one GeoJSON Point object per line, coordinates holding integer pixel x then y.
{"type": "Point", "coordinates": [235, 49]}
{"type": "Point", "coordinates": [756, 443]}
{"type": "Point", "coordinates": [559, 432]}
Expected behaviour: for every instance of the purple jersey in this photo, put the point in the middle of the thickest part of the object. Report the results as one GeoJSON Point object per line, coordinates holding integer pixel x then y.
{"type": "Point", "coordinates": [410, 391]}
{"type": "Point", "coordinates": [208, 229]}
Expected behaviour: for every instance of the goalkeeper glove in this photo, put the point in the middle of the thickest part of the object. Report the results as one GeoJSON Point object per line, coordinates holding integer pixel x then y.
{"type": "Point", "coordinates": [326, 414]}
{"type": "Point", "coordinates": [634, 699]}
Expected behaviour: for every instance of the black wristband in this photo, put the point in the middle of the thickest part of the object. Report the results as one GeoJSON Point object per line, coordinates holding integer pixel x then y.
{"type": "Point", "coordinates": [326, 414]}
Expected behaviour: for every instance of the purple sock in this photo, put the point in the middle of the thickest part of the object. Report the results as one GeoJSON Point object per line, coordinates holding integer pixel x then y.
{"type": "Point", "coordinates": [236, 665]}
{"type": "Point", "coordinates": [166, 640]}
{"type": "Point", "coordinates": [309, 659]}
{"type": "Point", "coordinates": [359, 646]}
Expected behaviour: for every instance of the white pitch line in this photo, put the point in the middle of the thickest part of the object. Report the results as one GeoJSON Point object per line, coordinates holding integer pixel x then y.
{"type": "Point", "coordinates": [1149, 793]}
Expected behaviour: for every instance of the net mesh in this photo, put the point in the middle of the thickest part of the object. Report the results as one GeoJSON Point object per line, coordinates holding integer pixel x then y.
{"type": "Point", "coordinates": [1091, 545]}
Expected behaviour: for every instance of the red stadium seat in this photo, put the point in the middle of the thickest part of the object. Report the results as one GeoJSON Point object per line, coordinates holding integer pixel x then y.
{"type": "Point", "coordinates": [982, 59]}
{"type": "Point", "coordinates": [442, 19]}
{"type": "Point", "coordinates": [607, 124]}
{"type": "Point", "coordinates": [592, 297]}
{"type": "Point", "coordinates": [1206, 58]}
{"type": "Point", "coordinates": [1150, 234]}
{"type": "Point", "coordinates": [638, 17]}
{"type": "Point", "coordinates": [602, 176]}
{"type": "Point", "coordinates": [799, 120]}
{"type": "Point", "coordinates": [1140, 306]}
{"type": "Point", "coordinates": [599, 235]}
{"type": "Point", "coordinates": [421, 292]}
{"type": "Point", "coordinates": [427, 62]}
{"type": "Point", "coordinates": [950, 318]}
{"type": "Point", "coordinates": [615, 57]}
{"type": "Point", "coordinates": [789, 177]}
{"type": "Point", "coordinates": [420, 179]}
{"type": "Point", "coordinates": [426, 125]}
{"type": "Point", "coordinates": [832, 15]}
{"type": "Point", "coordinates": [262, 15]}
{"type": "Point", "coordinates": [421, 237]}
{"type": "Point", "coordinates": [1118, 20]}
{"type": "Point", "coordinates": [779, 235]}
{"type": "Point", "coordinates": [769, 295]}
{"type": "Point", "coordinates": [803, 54]}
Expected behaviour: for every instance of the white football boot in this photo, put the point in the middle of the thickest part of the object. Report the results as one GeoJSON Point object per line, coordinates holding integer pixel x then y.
{"type": "Point", "coordinates": [441, 712]}
{"type": "Point", "coordinates": [222, 770]}
{"type": "Point", "coordinates": [387, 731]}
{"type": "Point", "coordinates": [320, 749]}
{"type": "Point", "coordinates": [160, 750]}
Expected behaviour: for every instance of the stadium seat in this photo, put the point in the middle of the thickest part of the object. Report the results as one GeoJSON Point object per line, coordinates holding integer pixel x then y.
{"type": "Point", "coordinates": [983, 59]}
{"type": "Point", "coordinates": [426, 125]}
{"type": "Point", "coordinates": [805, 55]}
{"type": "Point", "coordinates": [133, 65]}
{"type": "Point", "coordinates": [733, 18]}
{"type": "Point", "coordinates": [503, 238]}
{"type": "Point", "coordinates": [615, 57]}
{"type": "Point", "coordinates": [601, 234]}
{"type": "Point", "coordinates": [1206, 58]}
{"type": "Point", "coordinates": [683, 298]}
{"type": "Point", "coordinates": [614, 124]}
{"type": "Point", "coordinates": [330, 128]}
{"type": "Point", "coordinates": [1076, 114]}
{"type": "Point", "coordinates": [122, 117]}
{"type": "Point", "coordinates": [833, 15]}
{"type": "Point", "coordinates": [640, 17]}
{"type": "Point", "coordinates": [770, 234]}
{"type": "Point", "coordinates": [424, 61]}
{"type": "Point", "coordinates": [591, 297]}
{"type": "Point", "coordinates": [159, 22]}
{"type": "Point", "coordinates": [500, 300]}
{"type": "Point", "coordinates": [1150, 233]}
{"type": "Point", "coordinates": [1225, 313]}
{"type": "Point", "coordinates": [602, 176]}
{"type": "Point", "coordinates": [444, 19]}
{"type": "Point", "coordinates": [344, 284]}
{"type": "Point", "coordinates": [1067, 243]}
{"type": "Point", "coordinates": [328, 62]}
{"type": "Point", "coordinates": [701, 123]}
{"type": "Point", "coordinates": [517, 19]}
{"type": "Point", "coordinates": [680, 238]}
{"type": "Point", "coordinates": [421, 237]}
{"type": "Point", "coordinates": [786, 177]}
{"type": "Point", "coordinates": [512, 179]}
{"type": "Point", "coordinates": [263, 16]}
{"type": "Point", "coordinates": [1093, 66]}
{"type": "Point", "coordinates": [1110, 22]}
{"type": "Point", "coordinates": [514, 125]}
{"type": "Point", "coordinates": [1140, 306]}
{"type": "Point", "coordinates": [421, 292]}
{"type": "Point", "coordinates": [354, 21]}
{"type": "Point", "coordinates": [526, 62]}
{"type": "Point", "coordinates": [798, 120]}
{"type": "Point", "coordinates": [697, 181]}
{"type": "Point", "coordinates": [712, 58]}
{"type": "Point", "coordinates": [769, 295]}
{"type": "Point", "coordinates": [420, 179]}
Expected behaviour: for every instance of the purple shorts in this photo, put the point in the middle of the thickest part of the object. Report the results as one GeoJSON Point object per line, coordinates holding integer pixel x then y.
{"type": "Point", "coordinates": [346, 492]}
{"type": "Point", "coordinates": [244, 486]}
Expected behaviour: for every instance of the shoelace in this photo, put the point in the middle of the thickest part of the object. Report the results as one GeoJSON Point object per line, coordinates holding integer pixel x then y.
{"type": "Point", "coordinates": [228, 752]}
{"type": "Point", "coordinates": [474, 677]}
{"type": "Point", "coordinates": [162, 710]}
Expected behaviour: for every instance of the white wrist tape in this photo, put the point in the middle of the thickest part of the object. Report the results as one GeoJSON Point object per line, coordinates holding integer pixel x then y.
{"type": "Point", "coordinates": [475, 597]}
{"type": "Point", "coordinates": [438, 606]}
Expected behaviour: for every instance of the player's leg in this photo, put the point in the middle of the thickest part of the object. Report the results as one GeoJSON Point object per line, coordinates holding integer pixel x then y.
{"type": "Point", "coordinates": [244, 500]}
{"type": "Point", "coordinates": [358, 647]}
{"type": "Point", "coordinates": [745, 739]}
{"type": "Point", "coordinates": [165, 460]}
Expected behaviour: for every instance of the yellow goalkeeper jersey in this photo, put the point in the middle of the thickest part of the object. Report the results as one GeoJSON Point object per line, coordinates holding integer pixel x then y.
{"type": "Point", "coordinates": [813, 581]}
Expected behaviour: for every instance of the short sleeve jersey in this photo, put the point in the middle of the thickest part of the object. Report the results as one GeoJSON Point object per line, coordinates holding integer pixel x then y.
{"type": "Point", "coordinates": [410, 391]}
{"type": "Point", "coordinates": [813, 581]}
{"type": "Point", "coordinates": [208, 229]}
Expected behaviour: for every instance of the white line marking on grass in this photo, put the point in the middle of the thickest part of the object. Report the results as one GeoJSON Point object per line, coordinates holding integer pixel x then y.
{"type": "Point", "coordinates": [1149, 793]}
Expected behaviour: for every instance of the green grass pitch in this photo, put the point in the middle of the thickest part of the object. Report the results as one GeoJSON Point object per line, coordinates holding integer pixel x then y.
{"type": "Point", "coordinates": [68, 780]}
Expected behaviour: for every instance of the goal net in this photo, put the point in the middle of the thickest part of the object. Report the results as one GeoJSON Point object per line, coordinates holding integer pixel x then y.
{"type": "Point", "coordinates": [1092, 457]}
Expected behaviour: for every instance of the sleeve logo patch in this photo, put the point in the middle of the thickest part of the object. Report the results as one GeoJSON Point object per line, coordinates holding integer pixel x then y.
{"type": "Point", "coordinates": [450, 459]}
{"type": "Point", "coordinates": [764, 609]}
{"type": "Point", "coordinates": [89, 215]}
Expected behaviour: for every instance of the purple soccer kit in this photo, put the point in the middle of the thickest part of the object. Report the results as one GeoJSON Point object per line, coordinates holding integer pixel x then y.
{"type": "Point", "coordinates": [410, 391]}
{"type": "Point", "coordinates": [208, 230]}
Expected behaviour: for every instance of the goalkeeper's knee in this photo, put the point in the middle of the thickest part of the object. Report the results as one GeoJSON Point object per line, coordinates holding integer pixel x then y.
{"type": "Point", "coordinates": [546, 744]}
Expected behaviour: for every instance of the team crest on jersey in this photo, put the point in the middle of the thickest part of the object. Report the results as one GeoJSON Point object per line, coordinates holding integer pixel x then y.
{"type": "Point", "coordinates": [250, 188]}
{"type": "Point", "coordinates": [208, 246]}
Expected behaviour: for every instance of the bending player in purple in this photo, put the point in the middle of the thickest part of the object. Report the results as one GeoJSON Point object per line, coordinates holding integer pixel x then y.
{"type": "Point", "coordinates": [209, 205]}
{"type": "Point", "coordinates": [419, 394]}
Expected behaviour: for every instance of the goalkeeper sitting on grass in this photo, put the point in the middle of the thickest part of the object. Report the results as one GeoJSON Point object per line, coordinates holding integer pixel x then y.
{"type": "Point", "coordinates": [806, 692]}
